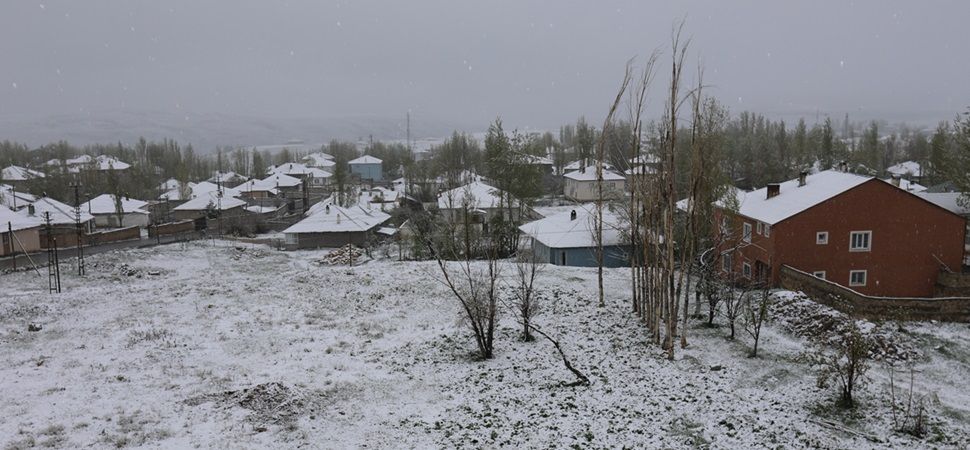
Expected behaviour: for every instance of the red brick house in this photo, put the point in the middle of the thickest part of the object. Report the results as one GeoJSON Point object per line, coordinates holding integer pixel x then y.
{"type": "Point", "coordinates": [859, 232]}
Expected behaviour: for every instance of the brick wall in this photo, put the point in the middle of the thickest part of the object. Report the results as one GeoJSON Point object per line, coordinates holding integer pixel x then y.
{"type": "Point", "coordinates": [183, 226]}
{"type": "Point", "coordinates": [948, 309]}
{"type": "Point", "coordinates": [121, 234]}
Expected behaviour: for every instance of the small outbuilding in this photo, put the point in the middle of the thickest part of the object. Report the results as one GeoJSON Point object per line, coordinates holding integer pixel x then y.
{"type": "Point", "coordinates": [569, 238]}
{"type": "Point", "coordinates": [333, 226]}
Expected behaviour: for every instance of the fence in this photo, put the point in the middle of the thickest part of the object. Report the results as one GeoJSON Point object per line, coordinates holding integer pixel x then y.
{"type": "Point", "coordinates": [949, 309]}
{"type": "Point", "coordinates": [182, 226]}
{"type": "Point", "coordinates": [121, 234]}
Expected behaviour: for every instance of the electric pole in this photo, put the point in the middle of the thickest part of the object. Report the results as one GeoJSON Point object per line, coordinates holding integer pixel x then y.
{"type": "Point", "coordinates": [53, 265]}
{"type": "Point", "coordinates": [79, 229]}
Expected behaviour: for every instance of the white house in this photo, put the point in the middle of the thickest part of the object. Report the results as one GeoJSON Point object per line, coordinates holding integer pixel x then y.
{"type": "Point", "coordinates": [104, 208]}
{"type": "Point", "coordinates": [316, 176]}
{"type": "Point", "coordinates": [582, 185]}
{"type": "Point", "coordinates": [333, 226]}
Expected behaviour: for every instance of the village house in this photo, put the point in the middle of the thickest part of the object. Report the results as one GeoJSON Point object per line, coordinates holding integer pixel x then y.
{"type": "Point", "coordinates": [105, 209]}
{"type": "Point", "coordinates": [210, 203]}
{"type": "Point", "coordinates": [582, 185]}
{"type": "Point", "coordinates": [63, 221]}
{"type": "Point", "coordinates": [367, 167]}
{"type": "Point", "coordinates": [859, 232]}
{"type": "Point", "coordinates": [257, 189]}
{"type": "Point", "coordinates": [286, 185]}
{"type": "Point", "coordinates": [320, 160]}
{"type": "Point", "coordinates": [18, 233]}
{"type": "Point", "coordinates": [174, 191]}
{"type": "Point", "coordinates": [569, 238]}
{"type": "Point", "coordinates": [18, 177]}
{"type": "Point", "coordinates": [14, 199]}
{"type": "Point", "coordinates": [478, 203]}
{"type": "Point", "coordinates": [314, 176]}
{"type": "Point", "coordinates": [228, 179]}
{"type": "Point", "coordinates": [333, 226]}
{"type": "Point", "coordinates": [909, 170]}
{"type": "Point", "coordinates": [88, 162]}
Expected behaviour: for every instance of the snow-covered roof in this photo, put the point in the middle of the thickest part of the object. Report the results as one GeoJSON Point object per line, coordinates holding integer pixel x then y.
{"type": "Point", "coordinates": [537, 160]}
{"type": "Point", "coordinates": [946, 200]}
{"type": "Point", "coordinates": [366, 159]}
{"type": "Point", "coordinates": [644, 159]}
{"type": "Point", "coordinates": [907, 185]}
{"type": "Point", "coordinates": [562, 231]}
{"type": "Point", "coordinates": [174, 191]}
{"type": "Point", "coordinates": [202, 201]}
{"type": "Point", "coordinates": [204, 187]}
{"type": "Point", "coordinates": [61, 213]}
{"type": "Point", "coordinates": [338, 220]}
{"type": "Point", "coordinates": [11, 197]}
{"type": "Point", "coordinates": [905, 168]}
{"type": "Point", "coordinates": [321, 205]}
{"type": "Point", "coordinates": [105, 204]}
{"type": "Point", "coordinates": [261, 209]}
{"type": "Point", "coordinates": [378, 195]}
{"type": "Point", "coordinates": [319, 159]}
{"type": "Point", "coordinates": [640, 170]}
{"type": "Point", "coordinates": [292, 169]}
{"type": "Point", "coordinates": [17, 221]}
{"type": "Point", "coordinates": [793, 199]}
{"type": "Point", "coordinates": [83, 159]}
{"type": "Point", "coordinates": [281, 180]}
{"type": "Point", "coordinates": [589, 174]}
{"type": "Point", "coordinates": [105, 162]}
{"type": "Point", "coordinates": [257, 186]}
{"type": "Point", "coordinates": [17, 173]}
{"type": "Point", "coordinates": [225, 177]}
{"type": "Point", "coordinates": [482, 196]}
{"type": "Point", "coordinates": [575, 165]}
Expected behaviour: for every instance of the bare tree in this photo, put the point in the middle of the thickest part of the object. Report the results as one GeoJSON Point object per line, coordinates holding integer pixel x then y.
{"type": "Point", "coordinates": [909, 415]}
{"type": "Point", "coordinates": [846, 363]}
{"type": "Point", "coordinates": [755, 310]}
{"type": "Point", "coordinates": [525, 301]}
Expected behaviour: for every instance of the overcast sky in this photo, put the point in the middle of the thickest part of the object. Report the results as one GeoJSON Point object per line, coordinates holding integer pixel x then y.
{"type": "Point", "coordinates": [533, 63]}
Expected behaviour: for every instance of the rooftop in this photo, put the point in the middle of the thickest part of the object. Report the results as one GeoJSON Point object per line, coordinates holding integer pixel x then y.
{"type": "Point", "coordinates": [474, 195]}
{"type": "Point", "coordinates": [589, 174]}
{"type": "Point", "coordinates": [105, 204]}
{"type": "Point", "coordinates": [366, 159]}
{"type": "Point", "coordinates": [562, 231]}
{"type": "Point", "coordinates": [792, 198]}
{"type": "Point", "coordinates": [337, 220]}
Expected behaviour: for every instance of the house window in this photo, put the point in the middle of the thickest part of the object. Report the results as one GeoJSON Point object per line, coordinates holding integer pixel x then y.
{"type": "Point", "coordinates": [767, 230]}
{"type": "Point", "coordinates": [724, 225]}
{"type": "Point", "coordinates": [822, 237]}
{"type": "Point", "coordinates": [819, 274]}
{"type": "Point", "coordinates": [726, 262]}
{"type": "Point", "coordinates": [747, 232]}
{"type": "Point", "coordinates": [857, 277]}
{"type": "Point", "coordinates": [860, 241]}
{"type": "Point", "coordinates": [746, 270]}
{"type": "Point", "coordinates": [760, 228]}
{"type": "Point", "coordinates": [563, 258]}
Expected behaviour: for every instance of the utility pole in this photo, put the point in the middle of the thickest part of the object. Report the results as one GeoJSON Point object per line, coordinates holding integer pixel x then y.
{"type": "Point", "coordinates": [409, 131]}
{"type": "Point", "coordinates": [53, 265]}
{"type": "Point", "coordinates": [79, 229]}
{"type": "Point", "coordinates": [13, 256]}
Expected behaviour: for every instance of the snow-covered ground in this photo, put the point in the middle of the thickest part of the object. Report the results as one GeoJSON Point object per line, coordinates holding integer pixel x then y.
{"type": "Point", "coordinates": [212, 346]}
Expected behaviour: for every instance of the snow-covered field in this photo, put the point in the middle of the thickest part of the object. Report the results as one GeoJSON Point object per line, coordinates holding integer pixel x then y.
{"type": "Point", "coordinates": [212, 346]}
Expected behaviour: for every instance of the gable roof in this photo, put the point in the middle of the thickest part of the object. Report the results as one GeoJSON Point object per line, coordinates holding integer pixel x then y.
{"type": "Point", "coordinates": [319, 159]}
{"type": "Point", "coordinates": [562, 231]}
{"type": "Point", "coordinates": [793, 199]}
{"type": "Point", "coordinates": [589, 174]}
{"type": "Point", "coordinates": [281, 180]}
{"type": "Point", "coordinates": [340, 220]}
{"type": "Point", "coordinates": [291, 169]}
{"type": "Point", "coordinates": [202, 201]}
{"type": "Point", "coordinates": [257, 186]}
{"type": "Point", "coordinates": [17, 221]}
{"type": "Point", "coordinates": [105, 204]}
{"type": "Point", "coordinates": [11, 197]}
{"type": "Point", "coordinates": [946, 200]}
{"type": "Point", "coordinates": [366, 159]}
{"type": "Point", "coordinates": [61, 213]}
{"type": "Point", "coordinates": [905, 168]}
{"type": "Point", "coordinates": [481, 196]}
{"type": "Point", "coordinates": [17, 173]}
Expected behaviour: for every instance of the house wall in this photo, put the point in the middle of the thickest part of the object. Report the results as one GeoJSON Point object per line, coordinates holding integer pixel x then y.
{"type": "Point", "coordinates": [910, 238]}
{"type": "Point", "coordinates": [585, 191]}
{"type": "Point", "coordinates": [24, 241]}
{"type": "Point", "coordinates": [296, 241]}
{"type": "Point", "coordinates": [367, 171]}
{"type": "Point", "coordinates": [613, 256]}
{"type": "Point", "coordinates": [128, 220]}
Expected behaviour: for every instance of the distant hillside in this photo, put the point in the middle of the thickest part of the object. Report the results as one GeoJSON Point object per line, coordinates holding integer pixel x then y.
{"type": "Point", "coordinates": [206, 131]}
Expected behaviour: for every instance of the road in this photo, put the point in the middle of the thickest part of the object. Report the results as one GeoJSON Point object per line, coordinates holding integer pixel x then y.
{"type": "Point", "coordinates": [64, 254]}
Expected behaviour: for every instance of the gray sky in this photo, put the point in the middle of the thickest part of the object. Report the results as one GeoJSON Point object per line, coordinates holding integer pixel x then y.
{"type": "Point", "coordinates": [534, 63]}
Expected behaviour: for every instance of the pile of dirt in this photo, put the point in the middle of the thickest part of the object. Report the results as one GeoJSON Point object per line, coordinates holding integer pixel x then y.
{"type": "Point", "coordinates": [127, 271]}
{"type": "Point", "coordinates": [342, 256]}
{"type": "Point", "coordinates": [273, 402]}
{"type": "Point", "coordinates": [818, 323]}
{"type": "Point", "coordinates": [248, 253]}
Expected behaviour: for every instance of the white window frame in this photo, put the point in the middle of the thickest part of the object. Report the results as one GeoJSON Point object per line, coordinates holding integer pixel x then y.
{"type": "Point", "coordinates": [746, 232]}
{"type": "Point", "coordinates": [760, 228]}
{"type": "Point", "coordinates": [819, 274]}
{"type": "Point", "coordinates": [724, 225]}
{"type": "Point", "coordinates": [767, 230]}
{"type": "Point", "coordinates": [746, 269]}
{"type": "Point", "coordinates": [727, 263]}
{"type": "Point", "coordinates": [865, 277]}
{"type": "Point", "coordinates": [819, 240]}
{"type": "Point", "coordinates": [853, 234]}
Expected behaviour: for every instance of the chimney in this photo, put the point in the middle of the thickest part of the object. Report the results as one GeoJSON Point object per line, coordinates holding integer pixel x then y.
{"type": "Point", "coordinates": [773, 190]}
{"type": "Point", "coordinates": [572, 215]}
{"type": "Point", "coordinates": [30, 210]}
{"type": "Point", "coordinates": [338, 218]}
{"type": "Point", "coordinates": [802, 178]}
{"type": "Point", "coordinates": [843, 166]}
{"type": "Point", "coordinates": [328, 209]}
{"type": "Point", "coordinates": [895, 180]}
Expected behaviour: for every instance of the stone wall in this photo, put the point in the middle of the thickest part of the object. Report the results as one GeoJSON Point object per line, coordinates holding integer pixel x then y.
{"type": "Point", "coordinates": [948, 309]}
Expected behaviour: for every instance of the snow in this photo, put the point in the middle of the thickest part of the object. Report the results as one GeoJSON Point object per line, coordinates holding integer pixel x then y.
{"type": "Point", "coordinates": [561, 231]}
{"type": "Point", "coordinates": [338, 219]}
{"type": "Point", "coordinates": [61, 213]}
{"type": "Point", "coordinates": [17, 173]}
{"type": "Point", "coordinates": [204, 200]}
{"type": "Point", "coordinates": [479, 196]}
{"type": "Point", "coordinates": [378, 195]}
{"type": "Point", "coordinates": [225, 177]}
{"type": "Point", "coordinates": [294, 169]}
{"type": "Point", "coordinates": [366, 159]}
{"type": "Point", "coordinates": [257, 186]}
{"type": "Point", "coordinates": [11, 197]}
{"type": "Point", "coordinates": [793, 198]}
{"type": "Point", "coordinates": [905, 168]}
{"type": "Point", "coordinates": [947, 200]}
{"type": "Point", "coordinates": [105, 204]}
{"type": "Point", "coordinates": [17, 221]}
{"type": "Point", "coordinates": [589, 174]}
{"type": "Point", "coordinates": [575, 165]}
{"type": "Point", "coordinates": [908, 185]}
{"type": "Point", "coordinates": [145, 350]}
{"type": "Point", "coordinates": [320, 159]}
{"type": "Point", "coordinates": [281, 180]}
{"type": "Point", "coordinates": [205, 188]}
